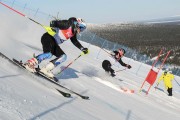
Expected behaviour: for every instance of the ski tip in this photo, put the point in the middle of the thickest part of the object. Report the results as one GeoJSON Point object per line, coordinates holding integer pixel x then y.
{"type": "Point", "coordinates": [68, 95]}
{"type": "Point", "coordinates": [126, 90]}
{"type": "Point", "coordinates": [85, 97]}
{"type": "Point", "coordinates": [56, 79]}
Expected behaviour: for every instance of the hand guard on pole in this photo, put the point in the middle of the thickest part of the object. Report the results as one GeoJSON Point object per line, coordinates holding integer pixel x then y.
{"type": "Point", "coordinates": [85, 50]}
{"type": "Point", "coordinates": [128, 66]}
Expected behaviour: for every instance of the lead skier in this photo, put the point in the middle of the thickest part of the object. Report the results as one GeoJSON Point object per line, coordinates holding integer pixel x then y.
{"type": "Point", "coordinates": [62, 30]}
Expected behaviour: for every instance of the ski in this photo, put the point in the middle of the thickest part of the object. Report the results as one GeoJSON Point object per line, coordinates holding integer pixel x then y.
{"type": "Point", "coordinates": [65, 94]}
{"type": "Point", "coordinates": [20, 64]}
{"type": "Point", "coordinates": [58, 84]}
{"type": "Point", "coordinates": [55, 81]}
{"type": "Point", "coordinates": [52, 80]}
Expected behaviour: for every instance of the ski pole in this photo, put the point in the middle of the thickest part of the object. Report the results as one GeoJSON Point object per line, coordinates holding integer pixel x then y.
{"type": "Point", "coordinates": [70, 63]}
{"type": "Point", "coordinates": [176, 81]}
{"type": "Point", "coordinates": [47, 28]}
{"type": "Point", "coordinates": [121, 70]}
{"type": "Point", "coordinates": [156, 86]}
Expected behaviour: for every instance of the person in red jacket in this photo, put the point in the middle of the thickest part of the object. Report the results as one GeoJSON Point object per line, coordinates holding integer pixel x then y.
{"type": "Point", "coordinates": [63, 30]}
{"type": "Point", "coordinates": [117, 55]}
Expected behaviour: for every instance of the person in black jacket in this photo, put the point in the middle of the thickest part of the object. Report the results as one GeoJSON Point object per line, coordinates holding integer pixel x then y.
{"type": "Point", "coordinates": [117, 55]}
{"type": "Point", "coordinates": [61, 31]}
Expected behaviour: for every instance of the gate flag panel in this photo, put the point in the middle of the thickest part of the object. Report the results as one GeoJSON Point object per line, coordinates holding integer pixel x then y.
{"type": "Point", "coordinates": [152, 75]}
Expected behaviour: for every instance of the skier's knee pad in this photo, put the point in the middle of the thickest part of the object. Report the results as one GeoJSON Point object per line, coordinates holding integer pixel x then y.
{"type": "Point", "coordinates": [43, 56]}
{"type": "Point", "coordinates": [59, 60]}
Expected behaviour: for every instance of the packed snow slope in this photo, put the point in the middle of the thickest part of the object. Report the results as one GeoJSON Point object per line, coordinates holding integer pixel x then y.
{"type": "Point", "coordinates": [27, 97]}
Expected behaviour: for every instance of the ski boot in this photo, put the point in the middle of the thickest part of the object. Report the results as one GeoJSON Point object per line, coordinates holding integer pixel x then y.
{"type": "Point", "coordinates": [47, 70]}
{"type": "Point", "coordinates": [30, 64]}
{"type": "Point", "coordinates": [113, 73]}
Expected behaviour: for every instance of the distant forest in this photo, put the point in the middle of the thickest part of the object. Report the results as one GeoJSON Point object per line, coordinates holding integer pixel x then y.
{"type": "Point", "coordinates": [145, 38]}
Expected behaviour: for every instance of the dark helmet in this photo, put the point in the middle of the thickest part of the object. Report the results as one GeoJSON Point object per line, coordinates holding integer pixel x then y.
{"type": "Point", "coordinates": [167, 70]}
{"type": "Point", "coordinates": [122, 50]}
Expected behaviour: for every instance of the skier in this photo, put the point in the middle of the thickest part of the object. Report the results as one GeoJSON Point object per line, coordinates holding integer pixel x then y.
{"type": "Point", "coordinates": [117, 55]}
{"type": "Point", "coordinates": [167, 77]}
{"type": "Point", "coordinates": [62, 30]}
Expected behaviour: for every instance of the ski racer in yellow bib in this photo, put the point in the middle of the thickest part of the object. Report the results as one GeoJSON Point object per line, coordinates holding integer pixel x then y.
{"type": "Point", "coordinates": [61, 31]}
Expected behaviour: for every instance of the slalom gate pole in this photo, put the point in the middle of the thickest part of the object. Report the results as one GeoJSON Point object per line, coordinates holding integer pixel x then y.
{"type": "Point", "coordinates": [162, 65]}
{"type": "Point", "coordinates": [106, 51]}
{"type": "Point", "coordinates": [20, 13]}
{"type": "Point", "coordinates": [164, 60]}
{"type": "Point", "coordinates": [70, 64]}
{"type": "Point", "coordinates": [48, 29]}
{"type": "Point", "coordinates": [157, 58]}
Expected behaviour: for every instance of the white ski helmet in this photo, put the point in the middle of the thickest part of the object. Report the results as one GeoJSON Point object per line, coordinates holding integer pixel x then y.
{"type": "Point", "coordinates": [81, 24]}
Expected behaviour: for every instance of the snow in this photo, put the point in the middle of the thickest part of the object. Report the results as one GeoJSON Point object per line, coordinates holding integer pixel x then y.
{"type": "Point", "coordinates": [27, 97]}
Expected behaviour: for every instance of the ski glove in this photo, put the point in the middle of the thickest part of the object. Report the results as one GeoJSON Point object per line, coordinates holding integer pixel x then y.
{"type": "Point", "coordinates": [129, 66]}
{"type": "Point", "coordinates": [85, 50]}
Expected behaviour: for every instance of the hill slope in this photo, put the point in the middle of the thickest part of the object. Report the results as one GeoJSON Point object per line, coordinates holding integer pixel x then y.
{"type": "Point", "coordinates": [24, 96]}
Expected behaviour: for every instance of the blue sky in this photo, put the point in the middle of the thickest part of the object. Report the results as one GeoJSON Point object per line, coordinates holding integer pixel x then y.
{"type": "Point", "coordinates": [107, 11]}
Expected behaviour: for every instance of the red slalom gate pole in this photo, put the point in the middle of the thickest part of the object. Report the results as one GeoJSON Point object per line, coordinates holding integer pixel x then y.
{"type": "Point", "coordinates": [20, 13]}
{"type": "Point", "coordinates": [47, 28]}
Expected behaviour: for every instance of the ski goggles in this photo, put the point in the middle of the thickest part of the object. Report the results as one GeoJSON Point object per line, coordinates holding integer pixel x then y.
{"type": "Point", "coordinates": [81, 27]}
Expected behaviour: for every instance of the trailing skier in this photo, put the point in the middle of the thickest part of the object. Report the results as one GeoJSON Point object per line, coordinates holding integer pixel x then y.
{"type": "Point", "coordinates": [117, 55]}
{"type": "Point", "coordinates": [62, 30]}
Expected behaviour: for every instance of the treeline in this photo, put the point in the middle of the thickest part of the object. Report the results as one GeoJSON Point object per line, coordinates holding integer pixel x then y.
{"type": "Point", "coordinates": [145, 38]}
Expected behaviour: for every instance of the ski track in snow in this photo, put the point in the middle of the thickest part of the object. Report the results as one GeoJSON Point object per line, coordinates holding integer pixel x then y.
{"type": "Point", "coordinates": [113, 83]}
